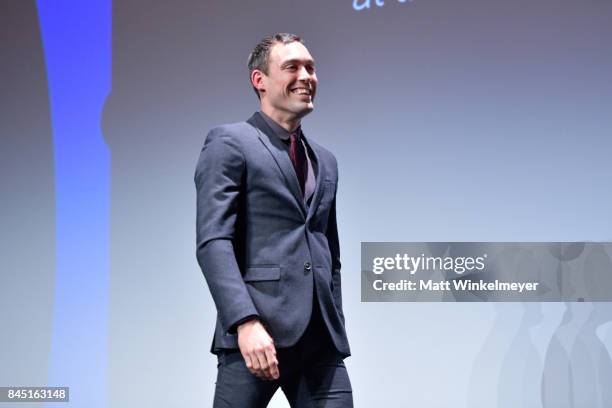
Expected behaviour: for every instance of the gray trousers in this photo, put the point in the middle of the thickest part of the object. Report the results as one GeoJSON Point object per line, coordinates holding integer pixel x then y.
{"type": "Point", "coordinates": [312, 374]}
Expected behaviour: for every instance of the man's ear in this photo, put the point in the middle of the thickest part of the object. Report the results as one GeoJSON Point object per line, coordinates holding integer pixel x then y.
{"type": "Point", "coordinates": [257, 80]}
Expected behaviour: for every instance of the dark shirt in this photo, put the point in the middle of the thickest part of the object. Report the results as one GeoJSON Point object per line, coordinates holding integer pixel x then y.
{"type": "Point", "coordinates": [284, 135]}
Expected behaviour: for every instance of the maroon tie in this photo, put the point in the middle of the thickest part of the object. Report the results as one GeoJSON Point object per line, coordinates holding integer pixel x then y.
{"type": "Point", "coordinates": [298, 158]}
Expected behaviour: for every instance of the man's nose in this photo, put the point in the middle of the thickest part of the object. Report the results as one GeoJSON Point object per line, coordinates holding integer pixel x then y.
{"type": "Point", "coordinates": [304, 75]}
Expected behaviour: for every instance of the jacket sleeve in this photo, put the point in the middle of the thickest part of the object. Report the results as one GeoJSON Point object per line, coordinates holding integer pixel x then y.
{"type": "Point", "coordinates": [218, 179]}
{"type": "Point", "coordinates": [334, 249]}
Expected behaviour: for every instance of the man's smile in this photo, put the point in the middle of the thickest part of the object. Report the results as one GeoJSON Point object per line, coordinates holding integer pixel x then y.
{"type": "Point", "coordinates": [302, 91]}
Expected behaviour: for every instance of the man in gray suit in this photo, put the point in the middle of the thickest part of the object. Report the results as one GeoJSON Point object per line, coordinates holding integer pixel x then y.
{"type": "Point", "coordinates": [267, 243]}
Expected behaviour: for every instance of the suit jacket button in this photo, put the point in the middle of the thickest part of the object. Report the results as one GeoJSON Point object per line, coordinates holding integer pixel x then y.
{"type": "Point", "coordinates": [307, 266]}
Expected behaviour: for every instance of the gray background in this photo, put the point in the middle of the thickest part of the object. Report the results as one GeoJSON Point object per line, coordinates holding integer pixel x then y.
{"type": "Point", "coordinates": [480, 120]}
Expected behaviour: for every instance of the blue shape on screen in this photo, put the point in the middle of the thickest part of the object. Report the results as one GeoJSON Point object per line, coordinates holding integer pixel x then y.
{"type": "Point", "coordinates": [76, 37]}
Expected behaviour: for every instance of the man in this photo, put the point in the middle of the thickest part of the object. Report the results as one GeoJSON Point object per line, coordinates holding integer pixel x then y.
{"type": "Point", "coordinates": [267, 243]}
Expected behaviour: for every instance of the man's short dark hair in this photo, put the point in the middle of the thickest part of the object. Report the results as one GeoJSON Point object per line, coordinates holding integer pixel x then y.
{"type": "Point", "coordinates": [260, 57]}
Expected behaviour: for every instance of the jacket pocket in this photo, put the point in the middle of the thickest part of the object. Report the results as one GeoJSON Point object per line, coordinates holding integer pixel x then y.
{"type": "Point", "coordinates": [262, 273]}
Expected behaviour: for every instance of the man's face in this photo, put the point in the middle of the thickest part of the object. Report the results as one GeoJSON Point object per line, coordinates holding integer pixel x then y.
{"type": "Point", "coordinates": [291, 83]}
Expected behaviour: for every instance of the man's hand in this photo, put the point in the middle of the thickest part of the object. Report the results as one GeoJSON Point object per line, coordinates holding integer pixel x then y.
{"type": "Point", "coordinates": [257, 349]}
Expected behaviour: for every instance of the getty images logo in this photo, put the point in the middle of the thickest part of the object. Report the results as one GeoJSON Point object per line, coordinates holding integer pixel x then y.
{"type": "Point", "coordinates": [366, 4]}
{"type": "Point", "coordinates": [413, 264]}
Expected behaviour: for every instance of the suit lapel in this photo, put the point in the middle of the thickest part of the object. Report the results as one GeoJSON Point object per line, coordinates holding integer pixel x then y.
{"type": "Point", "coordinates": [278, 150]}
{"type": "Point", "coordinates": [320, 176]}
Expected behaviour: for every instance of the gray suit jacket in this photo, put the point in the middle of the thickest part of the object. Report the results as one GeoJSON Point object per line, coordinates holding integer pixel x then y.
{"type": "Point", "coordinates": [262, 250]}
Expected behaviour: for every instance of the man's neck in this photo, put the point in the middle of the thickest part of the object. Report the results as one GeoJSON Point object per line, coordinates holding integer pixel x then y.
{"type": "Point", "coordinates": [283, 120]}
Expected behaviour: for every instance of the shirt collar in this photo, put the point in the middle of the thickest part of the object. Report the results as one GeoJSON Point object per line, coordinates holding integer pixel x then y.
{"type": "Point", "coordinates": [279, 130]}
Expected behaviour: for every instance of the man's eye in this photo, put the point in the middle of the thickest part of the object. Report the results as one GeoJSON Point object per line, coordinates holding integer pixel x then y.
{"type": "Point", "coordinates": [291, 67]}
